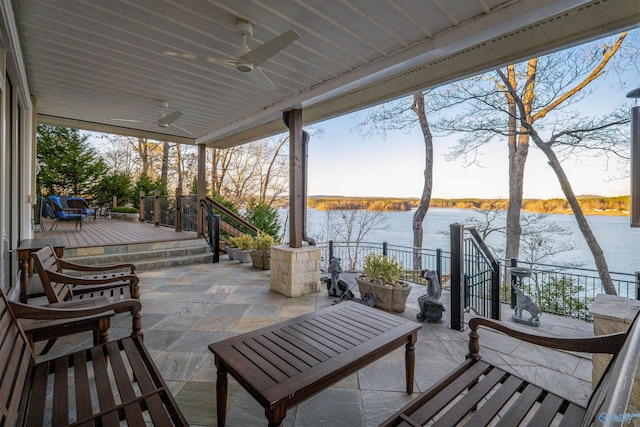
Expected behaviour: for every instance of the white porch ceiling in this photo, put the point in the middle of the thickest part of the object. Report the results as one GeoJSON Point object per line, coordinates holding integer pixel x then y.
{"type": "Point", "coordinates": [90, 61]}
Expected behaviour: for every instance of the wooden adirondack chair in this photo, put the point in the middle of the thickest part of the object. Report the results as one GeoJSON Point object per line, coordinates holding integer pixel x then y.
{"type": "Point", "coordinates": [115, 286]}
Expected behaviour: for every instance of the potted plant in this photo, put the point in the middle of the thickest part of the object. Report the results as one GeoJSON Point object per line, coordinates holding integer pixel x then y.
{"type": "Point", "coordinates": [380, 277]}
{"type": "Point", "coordinates": [231, 248]}
{"type": "Point", "coordinates": [245, 244]}
{"type": "Point", "coordinates": [261, 254]}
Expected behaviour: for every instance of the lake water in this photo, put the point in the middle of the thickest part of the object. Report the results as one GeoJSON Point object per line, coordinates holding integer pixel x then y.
{"type": "Point", "coordinates": [620, 242]}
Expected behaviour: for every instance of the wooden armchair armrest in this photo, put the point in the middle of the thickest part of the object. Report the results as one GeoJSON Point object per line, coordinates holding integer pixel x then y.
{"type": "Point", "coordinates": [86, 281]}
{"type": "Point", "coordinates": [608, 344]}
{"type": "Point", "coordinates": [24, 311]}
{"type": "Point", "coordinates": [78, 267]}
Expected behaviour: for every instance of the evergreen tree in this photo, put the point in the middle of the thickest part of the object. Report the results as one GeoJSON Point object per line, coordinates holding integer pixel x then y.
{"type": "Point", "coordinates": [264, 217]}
{"type": "Point", "coordinates": [70, 166]}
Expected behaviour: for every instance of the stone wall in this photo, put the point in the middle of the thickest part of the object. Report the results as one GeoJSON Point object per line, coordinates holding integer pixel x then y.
{"type": "Point", "coordinates": [295, 271]}
{"type": "Point", "coordinates": [613, 314]}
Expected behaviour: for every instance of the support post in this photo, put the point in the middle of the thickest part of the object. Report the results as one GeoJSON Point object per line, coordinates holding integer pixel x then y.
{"type": "Point", "coordinates": [141, 209]}
{"type": "Point", "coordinates": [296, 180]}
{"type": "Point", "coordinates": [496, 306]}
{"type": "Point", "coordinates": [514, 282]}
{"type": "Point", "coordinates": [439, 264]}
{"type": "Point", "coordinates": [635, 166]}
{"type": "Point", "coordinates": [178, 225]}
{"type": "Point", "coordinates": [202, 187]}
{"type": "Point", "coordinates": [156, 208]}
{"type": "Point", "coordinates": [114, 201]}
{"type": "Point", "coordinates": [457, 282]}
{"type": "Point", "coordinates": [385, 249]}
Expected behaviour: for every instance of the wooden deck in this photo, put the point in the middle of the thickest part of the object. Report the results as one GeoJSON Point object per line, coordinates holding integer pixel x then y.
{"type": "Point", "coordinates": [109, 231]}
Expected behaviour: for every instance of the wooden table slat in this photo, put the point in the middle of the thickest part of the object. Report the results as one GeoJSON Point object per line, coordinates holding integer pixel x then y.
{"type": "Point", "coordinates": [311, 341]}
{"type": "Point", "coordinates": [348, 333]}
{"type": "Point", "coordinates": [343, 323]}
{"type": "Point", "coordinates": [302, 344]}
{"type": "Point", "coordinates": [381, 317]}
{"type": "Point", "coordinates": [263, 364]}
{"type": "Point", "coordinates": [133, 413]}
{"type": "Point", "coordinates": [329, 331]}
{"type": "Point", "coordinates": [298, 358]}
{"type": "Point", "coordinates": [572, 416]}
{"type": "Point", "coordinates": [322, 337]}
{"type": "Point", "coordinates": [272, 353]}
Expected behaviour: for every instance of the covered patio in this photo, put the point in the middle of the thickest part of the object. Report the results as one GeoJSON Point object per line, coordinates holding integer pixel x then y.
{"type": "Point", "coordinates": [187, 308]}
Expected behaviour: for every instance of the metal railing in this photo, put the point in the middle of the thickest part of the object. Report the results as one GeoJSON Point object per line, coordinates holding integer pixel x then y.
{"type": "Point", "coordinates": [212, 231]}
{"type": "Point", "coordinates": [563, 290]}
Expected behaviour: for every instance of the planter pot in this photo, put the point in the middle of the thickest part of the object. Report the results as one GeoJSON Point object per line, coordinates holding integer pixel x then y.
{"type": "Point", "coordinates": [388, 298]}
{"type": "Point", "coordinates": [261, 260]}
{"type": "Point", "coordinates": [232, 252]}
{"type": "Point", "coordinates": [243, 256]}
{"type": "Point", "coordinates": [133, 217]}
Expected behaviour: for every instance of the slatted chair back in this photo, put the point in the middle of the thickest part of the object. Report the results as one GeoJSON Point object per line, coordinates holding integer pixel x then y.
{"type": "Point", "coordinates": [17, 357]}
{"type": "Point", "coordinates": [45, 260]}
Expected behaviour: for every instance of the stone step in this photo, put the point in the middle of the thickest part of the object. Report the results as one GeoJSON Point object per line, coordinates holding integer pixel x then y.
{"type": "Point", "coordinates": [146, 256]}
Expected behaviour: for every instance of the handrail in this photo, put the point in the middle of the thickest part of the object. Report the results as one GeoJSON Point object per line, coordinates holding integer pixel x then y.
{"type": "Point", "coordinates": [226, 211]}
{"type": "Point", "coordinates": [483, 247]}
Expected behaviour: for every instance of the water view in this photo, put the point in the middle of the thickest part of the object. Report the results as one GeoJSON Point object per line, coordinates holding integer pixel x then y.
{"type": "Point", "coordinates": [620, 242]}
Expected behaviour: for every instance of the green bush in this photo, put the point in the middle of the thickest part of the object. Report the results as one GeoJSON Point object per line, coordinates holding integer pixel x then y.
{"type": "Point", "coordinates": [263, 217]}
{"type": "Point", "coordinates": [561, 295]}
{"type": "Point", "coordinates": [124, 209]}
{"type": "Point", "coordinates": [263, 242]}
{"type": "Point", "coordinates": [380, 268]}
{"type": "Point", "coordinates": [244, 242]}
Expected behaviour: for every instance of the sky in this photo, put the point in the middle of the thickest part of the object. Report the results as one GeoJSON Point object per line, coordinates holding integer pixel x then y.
{"type": "Point", "coordinates": [341, 162]}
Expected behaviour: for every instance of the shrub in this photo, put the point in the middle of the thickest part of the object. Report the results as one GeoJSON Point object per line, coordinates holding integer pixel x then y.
{"type": "Point", "coordinates": [124, 209]}
{"type": "Point", "coordinates": [244, 242]}
{"type": "Point", "coordinates": [264, 242]}
{"type": "Point", "coordinates": [263, 217]}
{"type": "Point", "coordinates": [380, 268]}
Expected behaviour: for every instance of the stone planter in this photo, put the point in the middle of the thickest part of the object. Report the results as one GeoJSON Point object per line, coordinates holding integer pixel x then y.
{"type": "Point", "coordinates": [243, 256]}
{"type": "Point", "coordinates": [261, 260]}
{"type": "Point", "coordinates": [132, 217]}
{"type": "Point", "coordinates": [232, 252]}
{"type": "Point", "coordinates": [388, 298]}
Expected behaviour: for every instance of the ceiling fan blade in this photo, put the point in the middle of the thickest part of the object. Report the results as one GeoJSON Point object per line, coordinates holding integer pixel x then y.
{"type": "Point", "coordinates": [170, 118]}
{"type": "Point", "coordinates": [259, 77]}
{"type": "Point", "coordinates": [183, 130]}
{"type": "Point", "coordinates": [127, 120]}
{"type": "Point", "coordinates": [265, 51]}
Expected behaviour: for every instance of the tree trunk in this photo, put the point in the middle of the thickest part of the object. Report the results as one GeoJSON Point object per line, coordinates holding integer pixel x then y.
{"type": "Point", "coordinates": [425, 199]}
{"type": "Point", "coordinates": [143, 151]}
{"type": "Point", "coordinates": [164, 170]}
{"type": "Point", "coordinates": [583, 224]}
{"type": "Point", "coordinates": [215, 188]}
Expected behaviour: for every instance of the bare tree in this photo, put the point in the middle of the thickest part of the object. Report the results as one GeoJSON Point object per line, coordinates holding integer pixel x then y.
{"type": "Point", "coordinates": [353, 225]}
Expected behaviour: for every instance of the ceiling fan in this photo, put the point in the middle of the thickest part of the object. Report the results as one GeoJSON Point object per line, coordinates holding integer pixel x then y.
{"type": "Point", "coordinates": [164, 120]}
{"type": "Point", "coordinates": [247, 60]}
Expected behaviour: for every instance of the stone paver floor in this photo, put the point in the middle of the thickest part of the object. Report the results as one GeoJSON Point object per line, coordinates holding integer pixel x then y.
{"type": "Point", "coordinates": [186, 308]}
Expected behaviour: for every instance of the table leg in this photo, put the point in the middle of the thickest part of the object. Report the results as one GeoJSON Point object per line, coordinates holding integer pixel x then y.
{"type": "Point", "coordinates": [23, 256]}
{"type": "Point", "coordinates": [276, 415]}
{"type": "Point", "coordinates": [410, 360]}
{"type": "Point", "coordinates": [222, 385]}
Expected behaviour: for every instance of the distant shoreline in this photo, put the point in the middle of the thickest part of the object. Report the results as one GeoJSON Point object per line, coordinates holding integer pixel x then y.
{"type": "Point", "coordinates": [590, 204]}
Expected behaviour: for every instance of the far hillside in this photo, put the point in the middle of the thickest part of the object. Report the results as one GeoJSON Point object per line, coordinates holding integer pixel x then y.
{"type": "Point", "coordinates": [591, 204]}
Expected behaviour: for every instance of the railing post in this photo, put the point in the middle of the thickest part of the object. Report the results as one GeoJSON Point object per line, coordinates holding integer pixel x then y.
{"type": "Point", "coordinates": [457, 282]}
{"type": "Point", "coordinates": [514, 282]}
{"type": "Point", "coordinates": [439, 264]}
{"type": "Point", "coordinates": [156, 207]}
{"type": "Point", "coordinates": [496, 305]}
{"type": "Point", "coordinates": [385, 249]}
{"type": "Point", "coordinates": [214, 233]}
{"type": "Point", "coordinates": [638, 285]}
{"type": "Point", "coordinates": [141, 210]}
{"type": "Point", "coordinates": [178, 209]}
{"type": "Point", "coordinates": [114, 201]}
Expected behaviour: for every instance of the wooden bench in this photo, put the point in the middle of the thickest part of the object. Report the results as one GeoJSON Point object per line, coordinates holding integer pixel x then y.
{"type": "Point", "coordinates": [478, 393]}
{"type": "Point", "coordinates": [120, 375]}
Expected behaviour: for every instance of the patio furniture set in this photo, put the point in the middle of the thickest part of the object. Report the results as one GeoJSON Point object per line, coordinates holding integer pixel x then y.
{"type": "Point", "coordinates": [280, 365]}
{"type": "Point", "coordinates": [68, 209]}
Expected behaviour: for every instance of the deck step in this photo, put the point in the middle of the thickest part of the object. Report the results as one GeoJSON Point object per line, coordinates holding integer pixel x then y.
{"type": "Point", "coordinates": [146, 256]}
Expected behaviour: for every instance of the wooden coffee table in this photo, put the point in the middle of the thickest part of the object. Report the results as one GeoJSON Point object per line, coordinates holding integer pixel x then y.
{"type": "Point", "coordinates": [286, 363]}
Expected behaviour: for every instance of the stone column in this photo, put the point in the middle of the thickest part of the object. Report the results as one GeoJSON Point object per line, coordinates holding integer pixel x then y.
{"type": "Point", "coordinates": [295, 271]}
{"type": "Point", "coordinates": [613, 314]}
